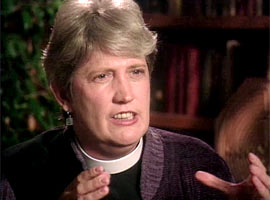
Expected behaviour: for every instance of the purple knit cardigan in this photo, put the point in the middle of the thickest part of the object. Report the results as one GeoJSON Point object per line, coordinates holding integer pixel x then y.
{"type": "Point", "coordinates": [169, 163]}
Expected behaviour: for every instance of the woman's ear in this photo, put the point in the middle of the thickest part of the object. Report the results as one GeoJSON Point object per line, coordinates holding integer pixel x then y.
{"type": "Point", "coordinates": [61, 97]}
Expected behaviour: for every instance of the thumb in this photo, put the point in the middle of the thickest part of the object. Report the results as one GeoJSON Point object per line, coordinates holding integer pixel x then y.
{"type": "Point", "coordinates": [215, 182]}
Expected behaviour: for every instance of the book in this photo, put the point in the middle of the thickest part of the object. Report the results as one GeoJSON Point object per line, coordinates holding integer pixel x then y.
{"type": "Point", "coordinates": [171, 79]}
{"type": "Point", "coordinates": [259, 7]}
{"type": "Point", "coordinates": [181, 81]}
{"type": "Point", "coordinates": [192, 8]}
{"type": "Point", "coordinates": [266, 7]}
{"type": "Point", "coordinates": [232, 8]}
{"type": "Point", "coordinates": [193, 81]}
{"type": "Point", "coordinates": [153, 6]}
{"type": "Point", "coordinates": [268, 66]}
{"type": "Point", "coordinates": [175, 8]}
{"type": "Point", "coordinates": [252, 8]}
{"type": "Point", "coordinates": [159, 79]}
{"type": "Point", "coordinates": [210, 83]}
{"type": "Point", "coordinates": [211, 8]}
{"type": "Point", "coordinates": [227, 71]}
{"type": "Point", "coordinates": [241, 7]}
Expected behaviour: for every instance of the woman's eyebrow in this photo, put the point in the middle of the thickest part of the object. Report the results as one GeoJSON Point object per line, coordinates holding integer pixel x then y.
{"type": "Point", "coordinates": [101, 70]}
{"type": "Point", "coordinates": [138, 65]}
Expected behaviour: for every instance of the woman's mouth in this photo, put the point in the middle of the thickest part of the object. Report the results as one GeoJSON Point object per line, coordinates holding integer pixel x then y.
{"type": "Point", "coordinates": [127, 118]}
{"type": "Point", "coordinates": [124, 116]}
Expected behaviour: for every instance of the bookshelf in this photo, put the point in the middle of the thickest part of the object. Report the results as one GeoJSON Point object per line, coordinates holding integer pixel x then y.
{"type": "Point", "coordinates": [176, 121]}
{"type": "Point", "coordinates": [241, 28]}
{"type": "Point", "coordinates": [161, 21]}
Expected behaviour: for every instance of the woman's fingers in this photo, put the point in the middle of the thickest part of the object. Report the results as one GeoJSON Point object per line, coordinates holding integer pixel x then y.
{"type": "Point", "coordinates": [93, 184]}
{"type": "Point", "coordinates": [263, 191]}
{"type": "Point", "coordinates": [259, 178]}
{"type": "Point", "coordinates": [261, 175]}
{"type": "Point", "coordinates": [215, 182]}
{"type": "Point", "coordinates": [253, 159]}
{"type": "Point", "coordinates": [258, 181]}
{"type": "Point", "coordinates": [90, 173]}
{"type": "Point", "coordinates": [90, 184]}
{"type": "Point", "coordinates": [98, 194]}
{"type": "Point", "coordinates": [257, 169]}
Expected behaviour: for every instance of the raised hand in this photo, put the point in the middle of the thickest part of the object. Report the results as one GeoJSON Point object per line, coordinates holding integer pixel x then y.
{"type": "Point", "coordinates": [259, 177]}
{"type": "Point", "coordinates": [256, 186]}
{"type": "Point", "coordinates": [91, 184]}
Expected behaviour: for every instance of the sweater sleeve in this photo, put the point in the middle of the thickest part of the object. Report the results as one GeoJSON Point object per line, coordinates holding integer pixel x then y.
{"type": "Point", "coordinates": [183, 157]}
{"type": "Point", "coordinates": [6, 191]}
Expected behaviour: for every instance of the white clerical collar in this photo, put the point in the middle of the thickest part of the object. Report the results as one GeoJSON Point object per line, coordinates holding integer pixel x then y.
{"type": "Point", "coordinates": [117, 165]}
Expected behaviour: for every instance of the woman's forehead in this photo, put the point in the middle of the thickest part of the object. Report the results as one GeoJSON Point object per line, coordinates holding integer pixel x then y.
{"type": "Point", "coordinates": [98, 59]}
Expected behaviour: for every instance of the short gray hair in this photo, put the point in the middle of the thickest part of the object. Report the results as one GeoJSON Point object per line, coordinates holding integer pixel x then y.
{"type": "Point", "coordinates": [84, 26]}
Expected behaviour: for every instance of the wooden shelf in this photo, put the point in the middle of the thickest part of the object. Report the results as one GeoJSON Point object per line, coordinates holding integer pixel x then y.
{"type": "Point", "coordinates": [159, 21]}
{"type": "Point", "coordinates": [190, 24]}
{"type": "Point", "coordinates": [176, 121]}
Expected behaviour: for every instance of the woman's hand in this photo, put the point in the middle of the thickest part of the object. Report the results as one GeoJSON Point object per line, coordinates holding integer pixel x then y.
{"type": "Point", "coordinates": [257, 184]}
{"type": "Point", "coordinates": [91, 184]}
{"type": "Point", "coordinates": [259, 176]}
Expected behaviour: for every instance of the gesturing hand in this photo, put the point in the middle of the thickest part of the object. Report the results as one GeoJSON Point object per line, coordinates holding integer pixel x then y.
{"type": "Point", "coordinates": [257, 184]}
{"type": "Point", "coordinates": [91, 184]}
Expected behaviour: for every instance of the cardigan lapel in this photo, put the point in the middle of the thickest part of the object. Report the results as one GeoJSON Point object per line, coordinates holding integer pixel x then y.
{"type": "Point", "coordinates": [152, 165]}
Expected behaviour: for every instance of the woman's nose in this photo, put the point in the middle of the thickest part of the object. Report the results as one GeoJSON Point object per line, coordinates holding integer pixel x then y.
{"type": "Point", "coordinates": [123, 92]}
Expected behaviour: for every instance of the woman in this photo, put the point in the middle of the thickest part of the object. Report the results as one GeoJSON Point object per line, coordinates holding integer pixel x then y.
{"type": "Point", "coordinates": [98, 63]}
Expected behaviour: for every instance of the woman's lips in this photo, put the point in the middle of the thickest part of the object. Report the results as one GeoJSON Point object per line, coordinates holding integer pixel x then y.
{"type": "Point", "coordinates": [126, 118]}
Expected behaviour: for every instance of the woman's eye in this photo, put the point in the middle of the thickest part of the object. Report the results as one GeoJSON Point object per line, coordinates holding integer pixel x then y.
{"type": "Point", "coordinates": [102, 77]}
{"type": "Point", "coordinates": [137, 72]}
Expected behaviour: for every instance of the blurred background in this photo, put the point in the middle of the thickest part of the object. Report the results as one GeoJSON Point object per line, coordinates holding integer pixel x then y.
{"type": "Point", "coordinates": [27, 107]}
